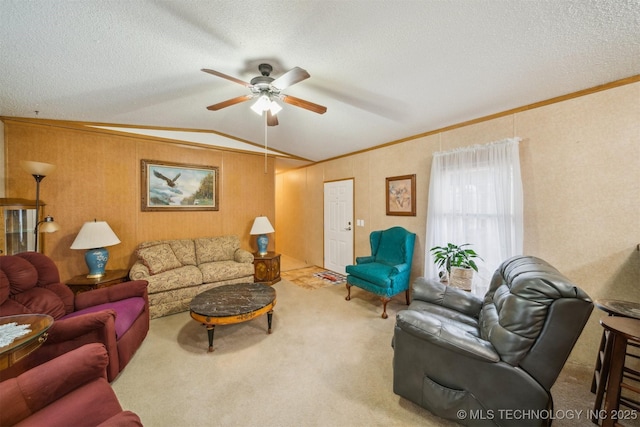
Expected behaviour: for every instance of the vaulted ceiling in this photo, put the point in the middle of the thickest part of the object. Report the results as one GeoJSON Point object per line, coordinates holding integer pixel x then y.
{"type": "Point", "coordinates": [385, 70]}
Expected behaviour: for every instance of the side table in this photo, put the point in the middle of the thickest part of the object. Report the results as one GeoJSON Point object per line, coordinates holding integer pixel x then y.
{"type": "Point", "coordinates": [266, 268]}
{"type": "Point", "coordinates": [623, 331]}
{"type": "Point", "coordinates": [35, 326]}
{"type": "Point", "coordinates": [613, 308]}
{"type": "Point", "coordinates": [82, 283]}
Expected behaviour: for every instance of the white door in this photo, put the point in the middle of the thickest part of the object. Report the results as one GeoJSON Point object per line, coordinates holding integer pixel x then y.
{"type": "Point", "coordinates": [338, 225]}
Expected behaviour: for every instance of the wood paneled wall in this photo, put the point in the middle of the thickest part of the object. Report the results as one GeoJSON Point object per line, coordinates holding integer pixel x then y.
{"type": "Point", "coordinates": [98, 177]}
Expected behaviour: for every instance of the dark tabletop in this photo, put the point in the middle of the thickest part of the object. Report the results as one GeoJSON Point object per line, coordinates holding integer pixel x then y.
{"type": "Point", "coordinates": [233, 300]}
{"type": "Point", "coordinates": [619, 308]}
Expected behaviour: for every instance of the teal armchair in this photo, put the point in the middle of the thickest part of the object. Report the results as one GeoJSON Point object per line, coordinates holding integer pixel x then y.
{"type": "Point", "coordinates": [387, 270]}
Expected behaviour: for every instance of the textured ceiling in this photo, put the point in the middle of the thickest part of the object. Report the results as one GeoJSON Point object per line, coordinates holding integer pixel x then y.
{"type": "Point", "coordinates": [385, 70]}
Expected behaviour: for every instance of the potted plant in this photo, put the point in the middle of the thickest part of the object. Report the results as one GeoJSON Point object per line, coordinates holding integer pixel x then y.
{"type": "Point", "coordinates": [456, 262]}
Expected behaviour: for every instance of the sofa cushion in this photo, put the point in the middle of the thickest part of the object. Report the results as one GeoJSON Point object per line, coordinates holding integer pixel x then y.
{"type": "Point", "coordinates": [45, 267]}
{"type": "Point", "coordinates": [185, 251]}
{"type": "Point", "coordinates": [374, 272]}
{"type": "Point", "coordinates": [159, 258]}
{"type": "Point", "coordinates": [127, 311]}
{"type": "Point", "coordinates": [4, 287]}
{"type": "Point", "coordinates": [184, 277]}
{"type": "Point", "coordinates": [21, 273]}
{"type": "Point", "coordinates": [221, 248]}
{"type": "Point", "coordinates": [224, 270]}
{"type": "Point", "coordinates": [40, 300]}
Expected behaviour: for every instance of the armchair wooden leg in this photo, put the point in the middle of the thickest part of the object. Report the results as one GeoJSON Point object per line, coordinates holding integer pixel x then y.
{"type": "Point", "coordinates": [385, 300]}
{"type": "Point", "coordinates": [407, 296]}
{"type": "Point", "coordinates": [348, 298]}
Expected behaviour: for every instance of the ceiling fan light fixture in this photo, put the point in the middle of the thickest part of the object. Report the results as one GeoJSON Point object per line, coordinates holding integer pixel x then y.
{"type": "Point", "coordinates": [267, 89]}
{"type": "Point", "coordinates": [261, 105]}
{"type": "Point", "coordinates": [274, 107]}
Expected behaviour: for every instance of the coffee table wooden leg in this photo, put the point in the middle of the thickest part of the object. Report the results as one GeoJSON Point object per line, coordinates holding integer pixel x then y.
{"type": "Point", "coordinates": [269, 318]}
{"type": "Point", "coordinates": [210, 329]}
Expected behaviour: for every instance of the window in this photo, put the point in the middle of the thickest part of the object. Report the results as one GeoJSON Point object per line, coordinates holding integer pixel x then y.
{"type": "Point", "coordinates": [475, 196]}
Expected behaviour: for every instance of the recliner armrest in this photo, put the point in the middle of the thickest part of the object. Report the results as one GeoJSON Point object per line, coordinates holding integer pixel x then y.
{"type": "Point", "coordinates": [435, 292]}
{"type": "Point", "coordinates": [46, 383]}
{"type": "Point", "coordinates": [75, 327]}
{"type": "Point", "coordinates": [135, 288]}
{"type": "Point", "coordinates": [122, 419]}
{"type": "Point", "coordinates": [446, 335]}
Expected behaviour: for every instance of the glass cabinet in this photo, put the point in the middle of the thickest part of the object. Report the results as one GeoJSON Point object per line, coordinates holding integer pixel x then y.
{"type": "Point", "coordinates": [18, 219]}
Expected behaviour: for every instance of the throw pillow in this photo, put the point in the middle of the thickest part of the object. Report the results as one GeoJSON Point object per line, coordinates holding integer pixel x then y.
{"type": "Point", "coordinates": [158, 258]}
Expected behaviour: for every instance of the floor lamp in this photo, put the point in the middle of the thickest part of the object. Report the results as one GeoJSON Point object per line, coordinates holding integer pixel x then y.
{"type": "Point", "coordinates": [39, 171]}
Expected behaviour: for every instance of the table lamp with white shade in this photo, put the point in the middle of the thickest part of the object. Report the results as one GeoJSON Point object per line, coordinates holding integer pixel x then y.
{"type": "Point", "coordinates": [262, 227]}
{"type": "Point", "coordinates": [94, 236]}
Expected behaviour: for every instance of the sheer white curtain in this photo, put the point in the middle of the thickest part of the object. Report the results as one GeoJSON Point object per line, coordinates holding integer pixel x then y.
{"type": "Point", "coordinates": [475, 196]}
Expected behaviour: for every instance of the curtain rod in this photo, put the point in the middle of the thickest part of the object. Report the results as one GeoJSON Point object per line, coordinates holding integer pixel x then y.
{"type": "Point", "coordinates": [505, 141]}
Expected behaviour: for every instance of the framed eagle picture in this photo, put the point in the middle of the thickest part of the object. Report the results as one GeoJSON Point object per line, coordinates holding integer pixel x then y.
{"type": "Point", "coordinates": [178, 187]}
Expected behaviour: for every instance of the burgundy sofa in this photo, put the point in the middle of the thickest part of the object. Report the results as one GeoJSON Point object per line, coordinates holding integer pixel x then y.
{"type": "Point", "coordinates": [116, 316]}
{"type": "Point", "coordinates": [70, 390]}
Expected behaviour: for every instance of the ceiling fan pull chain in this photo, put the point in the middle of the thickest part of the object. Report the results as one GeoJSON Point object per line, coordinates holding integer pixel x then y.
{"type": "Point", "coordinates": [265, 142]}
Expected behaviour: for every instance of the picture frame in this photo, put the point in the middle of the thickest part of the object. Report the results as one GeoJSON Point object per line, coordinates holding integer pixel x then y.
{"type": "Point", "coordinates": [168, 186]}
{"type": "Point", "coordinates": [401, 195]}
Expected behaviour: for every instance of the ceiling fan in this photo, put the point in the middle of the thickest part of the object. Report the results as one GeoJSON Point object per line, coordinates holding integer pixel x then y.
{"type": "Point", "coordinates": [267, 90]}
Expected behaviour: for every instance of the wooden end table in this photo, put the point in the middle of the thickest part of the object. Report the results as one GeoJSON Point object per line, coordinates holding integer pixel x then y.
{"type": "Point", "coordinates": [623, 331]}
{"type": "Point", "coordinates": [82, 283]}
{"type": "Point", "coordinates": [614, 309]}
{"type": "Point", "coordinates": [229, 304]}
{"type": "Point", "coordinates": [21, 346]}
{"type": "Point", "coordinates": [266, 268]}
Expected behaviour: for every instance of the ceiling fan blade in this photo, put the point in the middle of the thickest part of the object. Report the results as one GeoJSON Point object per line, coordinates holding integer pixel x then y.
{"type": "Point", "coordinates": [272, 119]}
{"type": "Point", "coordinates": [224, 76]}
{"type": "Point", "coordinates": [229, 102]}
{"type": "Point", "coordinates": [291, 77]}
{"type": "Point", "coordinates": [304, 104]}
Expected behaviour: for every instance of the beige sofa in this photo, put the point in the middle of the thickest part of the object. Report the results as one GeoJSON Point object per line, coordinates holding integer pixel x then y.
{"type": "Point", "coordinates": [178, 270]}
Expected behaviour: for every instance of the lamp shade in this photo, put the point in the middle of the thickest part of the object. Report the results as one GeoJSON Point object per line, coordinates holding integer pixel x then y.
{"type": "Point", "coordinates": [95, 234]}
{"type": "Point", "coordinates": [262, 104]}
{"type": "Point", "coordinates": [48, 225]}
{"type": "Point", "coordinates": [37, 168]}
{"type": "Point", "coordinates": [261, 225]}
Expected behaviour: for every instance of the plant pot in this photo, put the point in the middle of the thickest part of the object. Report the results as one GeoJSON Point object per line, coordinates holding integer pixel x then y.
{"type": "Point", "coordinates": [444, 276]}
{"type": "Point", "coordinates": [461, 278]}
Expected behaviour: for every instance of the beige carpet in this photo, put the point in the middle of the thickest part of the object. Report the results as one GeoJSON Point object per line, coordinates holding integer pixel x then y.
{"type": "Point", "coordinates": [305, 278]}
{"type": "Point", "coordinates": [328, 362]}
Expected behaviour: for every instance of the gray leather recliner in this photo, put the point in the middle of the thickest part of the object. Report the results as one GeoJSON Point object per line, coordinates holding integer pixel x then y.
{"type": "Point", "coordinates": [489, 361]}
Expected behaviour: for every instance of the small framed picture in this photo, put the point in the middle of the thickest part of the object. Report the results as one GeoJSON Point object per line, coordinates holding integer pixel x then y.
{"type": "Point", "coordinates": [178, 187]}
{"type": "Point", "coordinates": [401, 195]}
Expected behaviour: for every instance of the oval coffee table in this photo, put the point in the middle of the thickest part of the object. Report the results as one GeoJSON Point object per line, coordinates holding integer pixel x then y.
{"type": "Point", "coordinates": [229, 304]}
